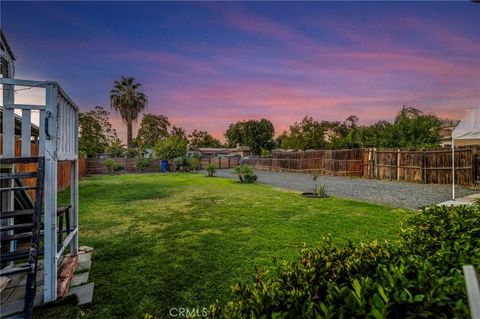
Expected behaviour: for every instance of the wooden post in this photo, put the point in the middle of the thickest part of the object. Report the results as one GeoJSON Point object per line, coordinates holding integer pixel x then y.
{"type": "Point", "coordinates": [398, 164]}
{"type": "Point", "coordinates": [50, 215]}
{"type": "Point", "coordinates": [424, 167]}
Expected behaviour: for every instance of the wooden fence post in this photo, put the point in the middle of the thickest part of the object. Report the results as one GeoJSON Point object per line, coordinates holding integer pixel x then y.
{"type": "Point", "coordinates": [424, 167]}
{"type": "Point", "coordinates": [398, 164]}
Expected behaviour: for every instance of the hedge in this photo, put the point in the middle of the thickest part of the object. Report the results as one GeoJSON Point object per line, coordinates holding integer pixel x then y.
{"type": "Point", "coordinates": [417, 276]}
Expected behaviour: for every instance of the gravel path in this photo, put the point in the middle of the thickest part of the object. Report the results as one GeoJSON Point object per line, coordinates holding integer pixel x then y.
{"type": "Point", "coordinates": [392, 193]}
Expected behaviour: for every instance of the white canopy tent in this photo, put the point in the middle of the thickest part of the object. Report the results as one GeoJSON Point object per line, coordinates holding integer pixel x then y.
{"type": "Point", "coordinates": [468, 131]}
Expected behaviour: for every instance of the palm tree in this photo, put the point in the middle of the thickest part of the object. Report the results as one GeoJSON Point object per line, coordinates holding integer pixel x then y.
{"type": "Point", "coordinates": [128, 101]}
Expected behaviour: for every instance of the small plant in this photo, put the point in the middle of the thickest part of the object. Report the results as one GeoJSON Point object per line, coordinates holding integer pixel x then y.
{"type": "Point", "coordinates": [193, 163]}
{"type": "Point", "coordinates": [320, 190]}
{"type": "Point", "coordinates": [211, 169]}
{"type": "Point", "coordinates": [179, 163]}
{"type": "Point", "coordinates": [245, 173]}
{"type": "Point", "coordinates": [118, 168]}
{"type": "Point", "coordinates": [112, 166]}
{"type": "Point", "coordinates": [264, 152]}
{"type": "Point", "coordinates": [131, 153]}
{"type": "Point", "coordinates": [143, 164]}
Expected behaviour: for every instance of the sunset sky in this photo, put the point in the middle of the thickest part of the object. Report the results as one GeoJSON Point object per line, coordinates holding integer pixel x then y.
{"type": "Point", "coordinates": [205, 65]}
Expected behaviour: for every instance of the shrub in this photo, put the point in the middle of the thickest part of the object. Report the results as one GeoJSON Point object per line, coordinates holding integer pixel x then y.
{"type": "Point", "coordinates": [245, 173]}
{"type": "Point", "coordinates": [144, 164]}
{"type": "Point", "coordinates": [419, 275]}
{"type": "Point", "coordinates": [320, 190]}
{"type": "Point", "coordinates": [264, 152]}
{"type": "Point", "coordinates": [211, 169]}
{"type": "Point", "coordinates": [112, 166]}
{"type": "Point", "coordinates": [132, 153]}
{"type": "Point", "coordinates": [180, 163]}
{"type": "Point", "coordinates": [193, 163]}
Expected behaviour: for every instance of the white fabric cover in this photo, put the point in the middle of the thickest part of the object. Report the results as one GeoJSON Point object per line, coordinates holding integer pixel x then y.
{"type": "Point", "coordinates": [469, 127]}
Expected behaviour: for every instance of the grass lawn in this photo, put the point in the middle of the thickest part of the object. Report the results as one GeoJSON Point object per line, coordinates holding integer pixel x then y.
{"type": "Point", "coordinates": [181, 240]}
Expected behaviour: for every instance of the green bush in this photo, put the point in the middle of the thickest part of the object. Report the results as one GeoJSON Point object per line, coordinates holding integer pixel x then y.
{"type": "Point", "coordinates": [321, 190]}
{"type": "Point", "coordinates": [131, 153]}
{"type": "Point", "coordinates": [144, 164]}
{"type": "Point", "coordinates": [419, 275]}
{"type": "Point", "coordinates": [112, 166]}
{"type": "Point", "coordinates": [245, 173]}
{"type": "Point", "coordinates": [193, 163]}
{"type": "Point", "coordinates": [211, 169]}
{"type": "Point", "coordinates": [180, 163]}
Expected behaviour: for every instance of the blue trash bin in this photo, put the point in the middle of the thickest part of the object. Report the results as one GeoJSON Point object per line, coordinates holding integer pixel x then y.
{"type": "Point", "coordinates": [163, 166]}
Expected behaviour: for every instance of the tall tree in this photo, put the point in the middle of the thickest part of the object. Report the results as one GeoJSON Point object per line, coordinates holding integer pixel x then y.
{"type": "Point", "coordinates": [96, 132]}
{"type": "Point", "coordinates": [152, 128]}
{"type": "Point", "coordinates": [178, 131]}
{"type": "Point", "coordinates": [257, 135]}
{"type": "Point", "coordinates": [203, 139]}
{"type": "Point", "coordinates": [308, 134]}
{"type": "Point", "coordinates": [171, 147]}
{"type": "Point", "coordinates": [127, 100]}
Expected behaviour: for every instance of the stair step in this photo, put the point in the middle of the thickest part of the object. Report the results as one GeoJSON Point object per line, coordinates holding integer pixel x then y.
{"type": "Point", "coordinates": [17, 189]}
{"type": "Point", "coordinates": [14, 270]}
{"type": "Point", "coordinates": [19, 160]}
{"type": "Point", "coordinates": [24, 212]}
{"type": "Point", "coordinates": [16, 226]}
{"type": "Point", "coordinates": [4, 176]}
{"type": "Point", "coordinates": [62, 210]}
{"type": "Point", "coordinates": [16, 213]}
{"type": "Point", "coordinates": [7, 238]}
{"type": "Point", "coordinates": [19, 254]}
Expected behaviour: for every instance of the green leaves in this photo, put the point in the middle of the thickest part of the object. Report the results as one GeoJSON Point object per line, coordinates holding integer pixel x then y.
{"type": "Point", "coordinates": [417, 276]}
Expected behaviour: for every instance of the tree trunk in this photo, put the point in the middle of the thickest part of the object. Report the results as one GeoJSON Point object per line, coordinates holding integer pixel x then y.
{"type": "Point", "coordinates": [129, 135]}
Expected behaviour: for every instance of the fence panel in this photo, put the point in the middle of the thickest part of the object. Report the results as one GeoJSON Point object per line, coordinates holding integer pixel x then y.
{"type": "Point", "coordinates": [429, 166]}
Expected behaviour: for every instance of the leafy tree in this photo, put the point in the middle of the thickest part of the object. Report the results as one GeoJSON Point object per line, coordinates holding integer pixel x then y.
{"type": "Point", "coordinates": [308, 134]}
{"type": "Point", "coordinates": [252, 133]}
{"type": "Point", "coordinates": [411, 129]}
{"type": "Point", "coordinates": [179, 132]}
{"type": "Point", "coordinates": [203, 139]}
{"type": "Point", "coordinates": [152, 128]}
{"type": "Point", "coordinates": [116, 148]}
{"type": "Point", "coordinates": [171, 147]}
{"type": "Point", "coordinates": [128, 101]}
{"type": "Point", "coordinates": [96, 131]}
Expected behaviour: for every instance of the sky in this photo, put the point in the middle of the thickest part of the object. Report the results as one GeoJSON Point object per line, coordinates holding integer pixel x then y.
{"type": "Point", "coordinates": [206, 65]}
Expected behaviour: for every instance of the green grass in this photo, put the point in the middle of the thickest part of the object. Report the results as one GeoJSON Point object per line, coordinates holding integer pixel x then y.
{"type": "Point", "coordinates": [181, 240]}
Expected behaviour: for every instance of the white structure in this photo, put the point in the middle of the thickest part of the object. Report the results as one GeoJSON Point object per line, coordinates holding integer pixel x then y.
{"type": "Point", "coordinates": [58, 141]}
{"type": "Point", "coordinates": [468, 131]}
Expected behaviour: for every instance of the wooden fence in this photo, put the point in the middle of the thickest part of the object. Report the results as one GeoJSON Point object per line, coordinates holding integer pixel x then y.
{"type": "Point", "coordinates": [63, 168]}
{"type": "Point", "coordinates": [97, 165]}
{"type": "Point", "coordinates": [428, 166]}
{"type": "Point", "coordinates": [219, 162]}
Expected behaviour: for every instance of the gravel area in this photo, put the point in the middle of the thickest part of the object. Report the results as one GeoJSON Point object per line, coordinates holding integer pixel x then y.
{"type": "Point", "coordinates": [392, 193]}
